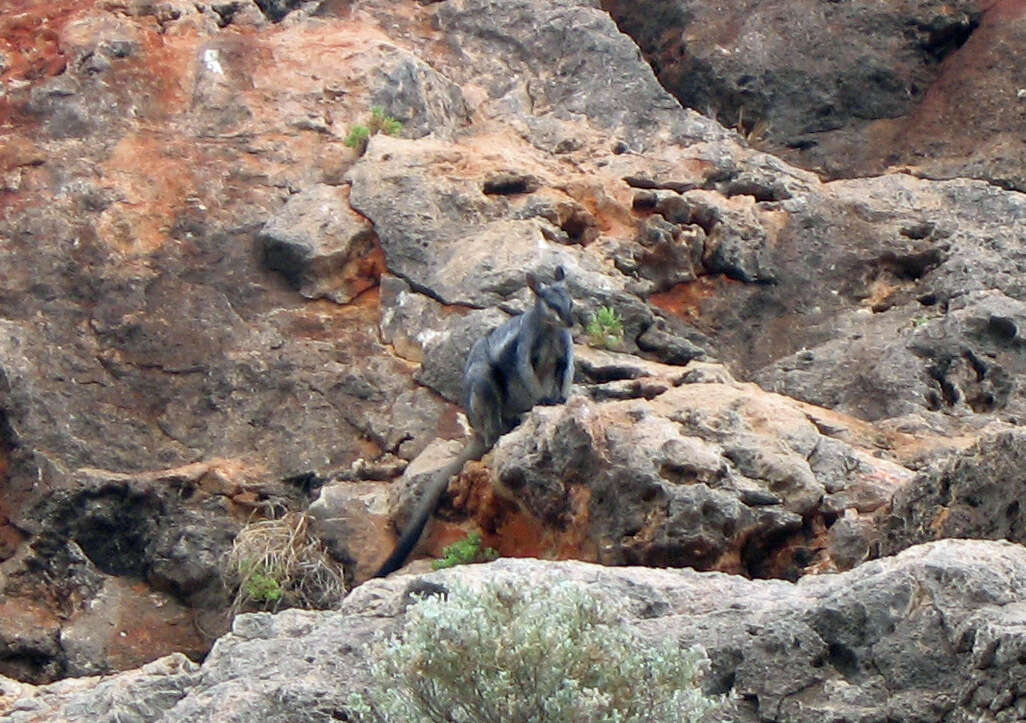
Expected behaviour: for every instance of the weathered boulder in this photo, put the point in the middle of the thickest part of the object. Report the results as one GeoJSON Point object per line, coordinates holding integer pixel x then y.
{"type": "Point", "coordinates": [712, 475]}
{"type": "Point", "coordinates": [935, 633]}
{"type": "Point", "coordinates": [143, 695]}
{"type": "Point", "coordinates": [322, 246]}
{"type": "Point", "coordinates": [540, 77]}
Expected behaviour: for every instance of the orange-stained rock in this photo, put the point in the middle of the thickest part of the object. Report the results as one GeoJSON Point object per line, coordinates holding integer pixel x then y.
{"type": "Point", "coordinates": [127, 625]}
{"type": "Point", "coordinates": [162, 381]}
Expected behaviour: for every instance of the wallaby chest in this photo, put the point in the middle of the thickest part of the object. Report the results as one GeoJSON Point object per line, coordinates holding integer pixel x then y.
{"type": "Point", "coordinates": [546, 354]}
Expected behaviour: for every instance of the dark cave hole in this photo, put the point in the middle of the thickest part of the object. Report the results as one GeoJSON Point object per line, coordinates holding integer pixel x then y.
{"type": "Point", "coordinates": [276, 10]}
{"type": "Point", "coordinates": [943, 41]}
{"type": "Point", "coordinates": [913, 266]}
{"type": "Point", "coordinates": [577, 227]}
{"type": "Point", "coordinates": [112, 527]}
{"type": "Point", "coordinates": [761, 192]}
{"type": "Point", "coordinates": [509, 184]}
{"type": "Point", "coordinates": [1003, 328]}
{"type": "Point", "coordinates": [843, 659]}
{"type": "Point", "coordinates": [722, 685]}
{"type": "Point", "coordinates": [918, 231]}
{"type": "Point", "coordinates": [113, 549]}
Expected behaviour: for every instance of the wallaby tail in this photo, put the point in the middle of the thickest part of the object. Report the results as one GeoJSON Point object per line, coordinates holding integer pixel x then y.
{"type": "Point", "coordinates": [474, 449]}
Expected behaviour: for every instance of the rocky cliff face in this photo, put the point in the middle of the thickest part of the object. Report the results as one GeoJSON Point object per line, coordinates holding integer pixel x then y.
{"type": "Point", "coordinates": [214, 309]}
{"type": "Point", "coordinates": [932, 634]}
{"type": "Point", "coordinates": [931, 88]}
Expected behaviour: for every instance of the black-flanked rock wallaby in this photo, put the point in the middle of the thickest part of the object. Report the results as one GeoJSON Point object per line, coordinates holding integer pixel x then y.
{"type": "Point", "coordinates": [528, 360]}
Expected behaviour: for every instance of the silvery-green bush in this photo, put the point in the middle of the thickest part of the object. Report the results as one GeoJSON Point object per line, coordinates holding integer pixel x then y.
{"type": "Point", "coordinates": [541, 655]}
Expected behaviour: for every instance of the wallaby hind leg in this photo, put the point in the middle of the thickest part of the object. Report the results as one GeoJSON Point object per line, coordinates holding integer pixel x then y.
{"type": "Point", "coordinates": [484, 408]}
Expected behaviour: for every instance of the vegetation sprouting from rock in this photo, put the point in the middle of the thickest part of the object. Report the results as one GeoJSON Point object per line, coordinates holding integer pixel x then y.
{"type": "Point", "coordinates": [281, 563]}
{"type": "Point", "coordinates": [380, 122]}
{"type": "Point", "coordinates": [605, 330]}
{"type": "Point", "coordinates": [502, 653]}
{"type": "Point", "coordinates": [464, 552]}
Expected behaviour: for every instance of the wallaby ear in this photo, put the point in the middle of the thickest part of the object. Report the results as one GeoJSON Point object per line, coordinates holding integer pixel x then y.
{"type": "Point", "coordinates": [532, 282]}
{"type": "Point", "coordinates": [560, 273]}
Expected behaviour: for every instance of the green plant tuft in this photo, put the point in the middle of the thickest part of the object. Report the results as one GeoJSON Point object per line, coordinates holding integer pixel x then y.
{"type": "Point", "coordinates": [358, 137]}
{"type": "Point", "coordinates": [549, 654]}
{"type": "Point", "coordinates": [262, 587]}
{"type": "Point", "coordinates": [465, 552]}
{"type": "Point", "coordinates": [606, 329]}
{"type": "Point", "coordinates": [380, 122]}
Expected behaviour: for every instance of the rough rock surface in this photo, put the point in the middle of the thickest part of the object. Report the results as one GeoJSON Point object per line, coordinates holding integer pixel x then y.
{"type": "Point", "coordinates": [935, 633]}
{"type": "Point", "coordinates": [197, 272]}
{"type": "Point", "coordinates": [684, 468]}
{"type": "Point", "coordinates": [977, 494]}
{"type": "Point", "coordinates": [662, 465]}
{"type": "Point", "coordinates": [324, 248]}
{"type": "Point", "coordinates": [123, 567]}
{"type": "Point", "coordinates": [850, 88]}
{"type": "Point", "coordinates": [911, 308]}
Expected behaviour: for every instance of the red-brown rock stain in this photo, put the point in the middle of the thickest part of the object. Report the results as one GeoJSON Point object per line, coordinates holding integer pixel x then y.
{"type": "Point", "coordinates": [507, 528]}
{"type": "Point", "coordinates": [29, 37]}
{"type": "Point", "coordinates": [365, 272]}
{"type": "Point", "coordinates": [154, 180]}
{"type": "Point", "coordinates": [149, 627]}
{"type": "Point", "coordinates": [685, 300]}
{"type": "Point", "coordinates": [609, 207]}
{"type": "Point", "coordinates": [30, 41]}
{"type": "Point", "coordinates": [322, 320]}
{"type": "Point", "coordinates": [970, 99]}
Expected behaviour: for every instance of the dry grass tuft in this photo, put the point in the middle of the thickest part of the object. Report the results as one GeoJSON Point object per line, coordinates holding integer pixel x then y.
{"type": "Point", "coordinates": [277, 564]}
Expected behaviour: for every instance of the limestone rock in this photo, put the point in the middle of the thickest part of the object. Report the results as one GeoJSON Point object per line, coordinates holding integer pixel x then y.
{"type": "Point", "coordinates": [711, 475]}
{"type": "Point", "coordinates": [352, 517]}
{"type": "Point", "coordinates": [976, 494]}
{"type": "Point", "coordinates": [629, 103]}
{"type": "Point", "coordinates": [143, 695]}
{"type": "Point", "coordinates": [933, 633]}
{"type": "Point", "coordinates": [322, 246]}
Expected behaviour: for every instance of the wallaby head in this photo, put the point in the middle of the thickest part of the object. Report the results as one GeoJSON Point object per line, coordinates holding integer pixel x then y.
{"type": "Point", "coordinates": [553, 300]}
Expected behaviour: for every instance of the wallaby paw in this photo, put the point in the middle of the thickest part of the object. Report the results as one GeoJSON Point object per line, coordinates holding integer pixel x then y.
{"type": "Point", "coordinates": [551, 401]}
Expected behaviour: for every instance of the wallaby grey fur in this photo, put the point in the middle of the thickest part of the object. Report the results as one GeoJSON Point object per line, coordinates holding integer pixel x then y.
{"type": "Point", "coordinates": [528, 360]}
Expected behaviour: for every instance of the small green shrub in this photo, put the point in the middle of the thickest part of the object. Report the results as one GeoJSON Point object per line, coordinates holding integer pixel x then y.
{"type": "Point", "coordinates": [380, 122]}
{"type": "Point", "coordinates": [552, 654]}
{"type": "Point", "coordinates": [358, 137]}
{"type": "Point", "coordinates": [465, 552]}
{"type": "Point", "coordinates": [606, 329]}
{"type": "Point", "coordinates": [262, 587]}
